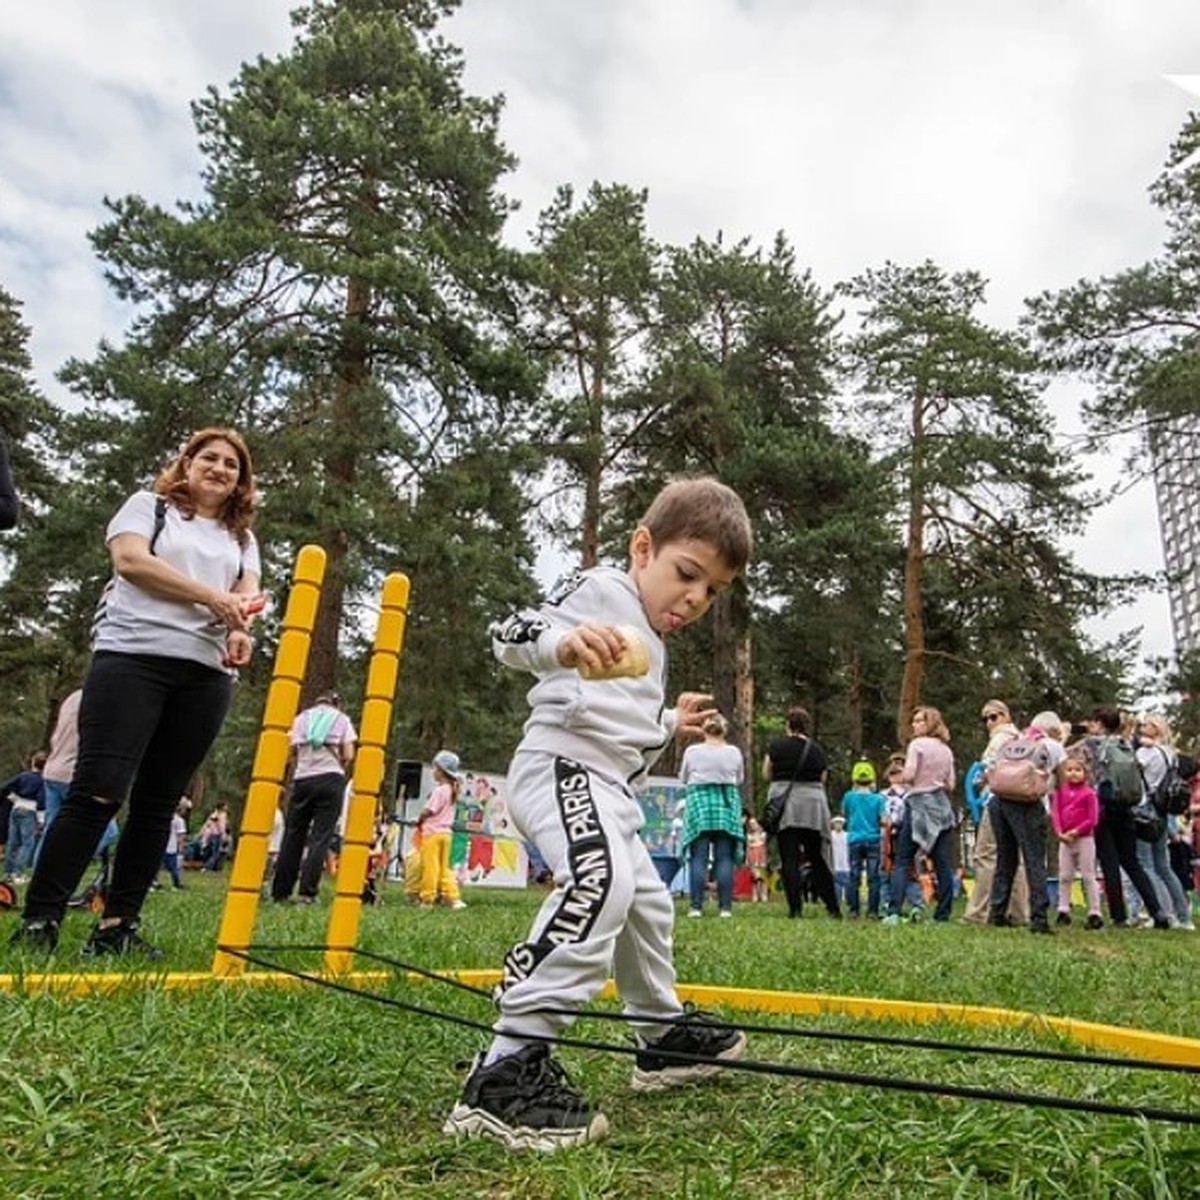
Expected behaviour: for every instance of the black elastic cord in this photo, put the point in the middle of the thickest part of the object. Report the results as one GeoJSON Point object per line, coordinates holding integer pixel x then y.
{"type": "Point", "coordinates": [964, 1091]}
{"type": "Point", "coordinates": [870, 1039]}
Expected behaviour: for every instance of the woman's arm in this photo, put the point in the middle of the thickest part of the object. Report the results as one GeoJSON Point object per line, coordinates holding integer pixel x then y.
{"type": "Point", "coordinates": [132, 560]}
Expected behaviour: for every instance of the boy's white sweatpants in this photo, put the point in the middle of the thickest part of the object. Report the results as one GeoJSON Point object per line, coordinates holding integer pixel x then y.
{"type": "Point", "coordinates": [609, 910]}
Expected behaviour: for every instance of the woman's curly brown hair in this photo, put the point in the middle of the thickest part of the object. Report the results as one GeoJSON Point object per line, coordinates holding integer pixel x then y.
{"type": "Point", "coordinates": [237, 514]}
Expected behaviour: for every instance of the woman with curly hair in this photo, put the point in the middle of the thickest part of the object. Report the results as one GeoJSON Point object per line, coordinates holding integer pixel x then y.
{"type": "Point", "coordinates": [172, 630]}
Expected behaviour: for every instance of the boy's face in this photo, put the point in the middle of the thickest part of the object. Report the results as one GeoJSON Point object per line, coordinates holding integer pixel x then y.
{"type": "Point", "coordinates": [676, 581]}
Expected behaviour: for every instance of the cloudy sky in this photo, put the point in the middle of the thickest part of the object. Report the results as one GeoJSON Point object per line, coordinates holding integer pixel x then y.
{"type": "Point", "coordinates": [1016, 137]}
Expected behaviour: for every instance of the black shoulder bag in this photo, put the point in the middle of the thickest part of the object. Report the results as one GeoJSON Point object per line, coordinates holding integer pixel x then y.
{"type": "Point", "coordinates": [773, 813]}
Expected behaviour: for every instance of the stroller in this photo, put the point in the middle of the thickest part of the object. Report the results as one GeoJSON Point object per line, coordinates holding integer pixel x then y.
{"type": "Point", "coordinates": [93, 896]}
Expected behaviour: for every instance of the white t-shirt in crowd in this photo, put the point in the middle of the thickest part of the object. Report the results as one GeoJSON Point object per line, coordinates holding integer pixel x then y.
{"type": "Point", "coordinates": [177, 835]}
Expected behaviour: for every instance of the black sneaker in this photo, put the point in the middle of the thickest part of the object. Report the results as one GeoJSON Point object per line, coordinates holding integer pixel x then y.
{"type": "Point", "coordinates": [39, 934]}
{"type": "Point", "coordinates": [525, 1102]}
{"type": "Point", "coordinates": [1094, 921]}
{"type": "Point", "coordinates": [122, 938]}
{"type": "Point", "coordinates": [691, 1050]}
{"type": "Point", "coordinates": [1063, 919]}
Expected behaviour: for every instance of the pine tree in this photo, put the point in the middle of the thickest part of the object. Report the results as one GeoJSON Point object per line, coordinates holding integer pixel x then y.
{"type": "Point", "coordinates": [958, 418]}
{"type": "Point", "coordinates": [34, 667]}
{"type": "Point", "coordinates": [340, 294]}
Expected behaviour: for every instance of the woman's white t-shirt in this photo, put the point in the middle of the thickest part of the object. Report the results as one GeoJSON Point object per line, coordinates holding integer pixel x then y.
{"type": "Point", "coordinates": [135, 621]}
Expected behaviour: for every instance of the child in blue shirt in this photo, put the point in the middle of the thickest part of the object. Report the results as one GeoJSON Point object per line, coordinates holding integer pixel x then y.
{"type": "Point", "coordinates": [865, 811]}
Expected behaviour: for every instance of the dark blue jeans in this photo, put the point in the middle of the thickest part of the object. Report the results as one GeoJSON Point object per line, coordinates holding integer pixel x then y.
{"type": "Point", "coordinates": [1021, 832]}
{"type": "Point", "coordinates": [723, 846]}
{"type": "Point", "coordinates": [864, 856]}
{"type": "Point", "coordinates": [145, 724]}
{"type": "Point", "coordinates": [943, 869]}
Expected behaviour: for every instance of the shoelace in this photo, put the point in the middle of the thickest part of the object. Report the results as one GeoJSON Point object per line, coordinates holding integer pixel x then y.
{"type": "Point", "coordinates": [548, 1078]}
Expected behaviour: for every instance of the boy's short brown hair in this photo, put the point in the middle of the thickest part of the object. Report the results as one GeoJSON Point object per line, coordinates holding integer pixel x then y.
{"type": "Point", "coordinates": [707, 510]}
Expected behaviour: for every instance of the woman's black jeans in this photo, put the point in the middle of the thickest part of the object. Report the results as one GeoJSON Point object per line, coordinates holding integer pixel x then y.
{"type": "Point", "coordinates": [145, 725]}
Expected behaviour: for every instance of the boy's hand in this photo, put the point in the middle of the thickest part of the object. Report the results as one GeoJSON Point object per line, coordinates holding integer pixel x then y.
{"type": "Point", "coordinates": [594, 650]}
{"type": "Point", "coordinates": [692, 709]}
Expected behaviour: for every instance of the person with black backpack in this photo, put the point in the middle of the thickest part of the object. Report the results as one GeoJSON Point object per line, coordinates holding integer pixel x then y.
{"type": "Point", "coordinates": [1116, 839]}
{"type": "Point", "coordinates": [1156, 757]}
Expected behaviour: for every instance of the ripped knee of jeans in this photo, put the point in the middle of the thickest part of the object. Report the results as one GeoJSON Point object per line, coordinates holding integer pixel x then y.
{"type": "Point", "coordinates": [105, 802]}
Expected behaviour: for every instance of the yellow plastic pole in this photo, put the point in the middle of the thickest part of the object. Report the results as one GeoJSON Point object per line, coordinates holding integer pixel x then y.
{"type": "Point", "coordinates": [270, 760]}
{"type": "Point", "coordinates": [367, 782]}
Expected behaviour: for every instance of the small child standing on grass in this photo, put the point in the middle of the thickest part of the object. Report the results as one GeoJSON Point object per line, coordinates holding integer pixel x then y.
{"type": "Point", "coordinates": [598, 722]}
{"type": "Point", "coordinates": [756, 860]}
{"type": "Point", "coordinates": [1075, 813]}
{"type": "Point", "coordinates": [866, 813]}
{"type": "Point", "coordinates": [435, 824]}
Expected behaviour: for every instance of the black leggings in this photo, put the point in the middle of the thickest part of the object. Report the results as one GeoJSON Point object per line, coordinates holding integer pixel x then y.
{"type": "Point", "coordinates": [791, 843]}
{"type": "Point", "coordinates": [145, 724]}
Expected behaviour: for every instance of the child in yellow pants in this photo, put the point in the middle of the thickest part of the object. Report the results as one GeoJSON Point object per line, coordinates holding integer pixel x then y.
{"type": "Point", "coordinates": [434, 825]}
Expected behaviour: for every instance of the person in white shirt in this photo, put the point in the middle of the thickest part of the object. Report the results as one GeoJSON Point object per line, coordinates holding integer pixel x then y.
{"type": "Point", "coordinates": [170, 635]}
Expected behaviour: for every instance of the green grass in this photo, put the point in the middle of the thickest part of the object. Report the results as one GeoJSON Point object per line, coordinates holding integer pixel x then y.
{"type": "Point", "coordinates": [295, 1092]}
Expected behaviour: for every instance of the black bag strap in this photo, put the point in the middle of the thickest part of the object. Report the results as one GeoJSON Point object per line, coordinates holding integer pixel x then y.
{"type": "Point", "coordinates": [160, 519]}
{"type": "Point", "coordinates": [799, 764]}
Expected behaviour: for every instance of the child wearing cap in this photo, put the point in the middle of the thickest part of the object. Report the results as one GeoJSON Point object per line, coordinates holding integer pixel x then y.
{"type": "Point", "coordinates": [592, 735]}
{"type": "Point", "coordinates": [866, 813]}
{"type": "Point", "coordinates": [434, 824]}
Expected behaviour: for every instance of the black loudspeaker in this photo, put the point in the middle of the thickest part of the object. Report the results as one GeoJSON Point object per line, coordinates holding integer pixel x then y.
{"type": "Point", "coordinates": [408, 780]}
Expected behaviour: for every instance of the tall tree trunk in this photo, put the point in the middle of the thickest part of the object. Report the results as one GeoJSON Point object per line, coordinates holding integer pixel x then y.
{"type": "Point", "coordinates": [743, 714]}
{"type": "Point", "coordinates": [856, 700]}
{"type": "Point", "coordinates": [733, 681]}
{"type": "Point", "coordinates": [341, 472]}
{"type": "Point", "coordinates": [914, 563]}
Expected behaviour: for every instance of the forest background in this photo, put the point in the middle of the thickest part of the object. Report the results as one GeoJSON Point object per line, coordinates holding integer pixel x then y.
{"type": "Point", "coordinates": [422, 395]}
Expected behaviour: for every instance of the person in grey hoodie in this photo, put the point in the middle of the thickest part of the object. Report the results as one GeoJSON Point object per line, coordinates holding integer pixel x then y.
{"type": "Point", "coordinates": [598, 721]}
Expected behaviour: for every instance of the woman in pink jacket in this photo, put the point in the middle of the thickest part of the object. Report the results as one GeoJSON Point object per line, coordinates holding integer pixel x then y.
{"type": "Point", "coordinates": [928, 817]}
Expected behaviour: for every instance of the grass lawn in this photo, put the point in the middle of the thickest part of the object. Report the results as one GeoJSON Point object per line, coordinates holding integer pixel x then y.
{"type": "Point", "coordinates": [231, 1090]}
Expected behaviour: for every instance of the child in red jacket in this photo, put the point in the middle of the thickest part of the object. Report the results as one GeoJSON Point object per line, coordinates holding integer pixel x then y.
{"type": "Point", "coordinates": [1074, 813]}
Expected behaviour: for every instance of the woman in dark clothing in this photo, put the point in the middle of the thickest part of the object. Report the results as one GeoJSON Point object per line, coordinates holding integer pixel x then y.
{"type": "Point", "coordinates": [796, 767]}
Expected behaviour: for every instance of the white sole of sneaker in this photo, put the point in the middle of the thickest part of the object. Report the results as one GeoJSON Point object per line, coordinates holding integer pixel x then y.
{"type": "Point", "coordinates": [465, 1121]}
{"type": "Point", "coordinates": [686, 1073]}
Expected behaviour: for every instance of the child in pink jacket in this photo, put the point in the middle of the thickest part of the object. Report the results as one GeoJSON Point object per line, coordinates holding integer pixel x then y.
{"type": "Point", "coordinates": [1074, 813]}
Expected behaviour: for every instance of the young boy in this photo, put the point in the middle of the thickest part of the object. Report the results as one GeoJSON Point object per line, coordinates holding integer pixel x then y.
{"type": "Point", "coordinates": [866, 813]}
{"type": "Point", "coordinates": [587, 743]}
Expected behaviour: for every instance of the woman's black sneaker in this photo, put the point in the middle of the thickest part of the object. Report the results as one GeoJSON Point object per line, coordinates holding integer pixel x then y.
{"type": "Point", "coordinates": [525, 1101]}
{"type": "Point", "coordinates": [39, 934]}
{"type": "Point", "coordinates": [1094, 921]}
{"type": "Point", "coordinates": [692, 1050]}
{"type": "Point", "coordinates": [122, 938]}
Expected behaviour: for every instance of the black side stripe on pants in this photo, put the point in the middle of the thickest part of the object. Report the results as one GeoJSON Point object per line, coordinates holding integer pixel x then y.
{"type": "Point", "coordinates": [590, 862]}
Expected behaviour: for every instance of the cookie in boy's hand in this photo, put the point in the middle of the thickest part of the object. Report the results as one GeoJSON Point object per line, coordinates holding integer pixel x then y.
{"type": "Point", "coordinates": [634, 659]}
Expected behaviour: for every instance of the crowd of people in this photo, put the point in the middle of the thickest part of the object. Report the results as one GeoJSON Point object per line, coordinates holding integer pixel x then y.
{"type": "Point", "coordinates": [1092, 809]}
